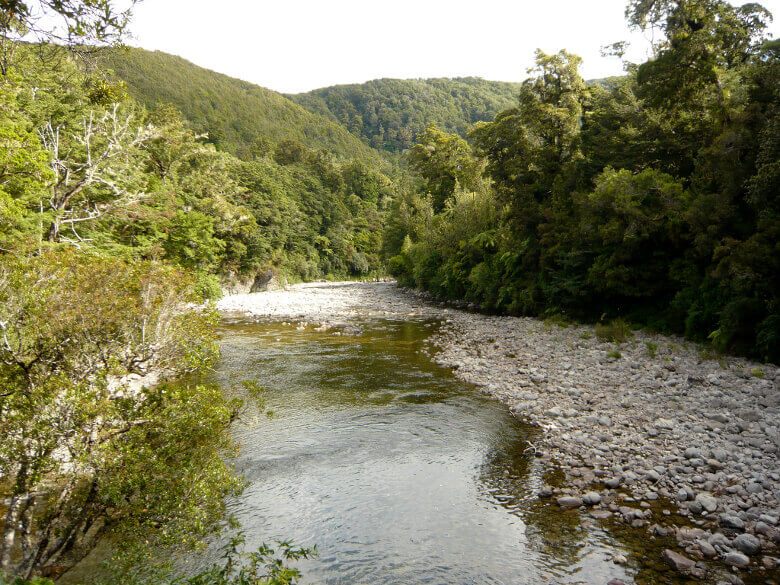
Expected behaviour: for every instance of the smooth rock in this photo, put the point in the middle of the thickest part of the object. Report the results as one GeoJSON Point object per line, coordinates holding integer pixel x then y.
{"type": "Point", "coordinates": [735, 559]}
{"type": "Point", "coordinates": [707, 501]}
{"type": "Point", "coordinates": [569, 502]}
{"type": "Point", "coordinates": [746, 543]}
{"type": "Point", "coordinates": [731, 521]}
{"type": "Point", "coordinates": [591, 498]}
{"type": "Point", "coordinates": [678, 562]}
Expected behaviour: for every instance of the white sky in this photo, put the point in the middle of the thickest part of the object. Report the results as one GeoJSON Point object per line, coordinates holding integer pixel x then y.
{"type": "Point", "coordinates": [298, 45]}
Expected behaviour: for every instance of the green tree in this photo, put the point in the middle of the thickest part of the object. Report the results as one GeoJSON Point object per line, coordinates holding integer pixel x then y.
{"type": "Point", "coordinates": [79, 444]}
{"type": "Point", "coordinates": [443, 161]}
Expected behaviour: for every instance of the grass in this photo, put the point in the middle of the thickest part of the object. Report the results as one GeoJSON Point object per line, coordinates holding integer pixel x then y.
{"type": "Point", "coordinates": [652, 349]}
{"type": "Point", "coordinates": [615, 354]}
{"type": "Point", "coordinates": [616, 331]}
{"type": "Point", "coordinates": [558, 320]}
{"type": "Point", "coordinates": [757, 372]}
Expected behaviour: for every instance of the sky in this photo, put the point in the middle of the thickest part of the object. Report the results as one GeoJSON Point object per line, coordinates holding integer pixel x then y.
{"type": "Point", "coordinates": [297, 45]}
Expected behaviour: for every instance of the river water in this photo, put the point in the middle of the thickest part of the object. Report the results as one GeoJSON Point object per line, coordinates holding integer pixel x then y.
{"type": "Point", "coordinates": [398, 472]}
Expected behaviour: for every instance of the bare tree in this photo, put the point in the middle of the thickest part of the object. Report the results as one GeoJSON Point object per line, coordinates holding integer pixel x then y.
{"type": "Point", "coordinates": [91, 170]}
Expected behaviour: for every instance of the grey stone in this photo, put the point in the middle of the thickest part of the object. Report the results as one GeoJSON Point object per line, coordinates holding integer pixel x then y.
{"type": "Point", "coordinates": [678, 562]}
{"type": "Point", "coordinates": [732, 521]}
{"type": "Point", "coordinates": [707, 549]}
{"type": "Point", "coordinates": [613, 482]}
{"type": "Point", "coordinates": [591, 498]}
{"type": "Point", "coordinates": [735, 559]}
{"type": "Point", "coordinates": [692, 453]}
{"type": "Point", "coordinates": [569, 502]}
{"type": "Point", "coordinates": [707, 501]}
{"type": "Point", "coordinates": [746, 543]}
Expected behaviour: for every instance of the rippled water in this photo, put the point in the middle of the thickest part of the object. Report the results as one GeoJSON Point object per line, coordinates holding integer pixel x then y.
{"type": "Point", "coordinates": [397, 471]}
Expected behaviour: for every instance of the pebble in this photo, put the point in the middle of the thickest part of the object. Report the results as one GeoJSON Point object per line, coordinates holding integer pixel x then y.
{"type": "Point", "coordinates": [591, 498]}
{"type": "Point", "coordinates": [707, 501]}
{"type": "Point", "coordinates": [678, 562]}
{"type": "Point", "coordinates": [567, 502]}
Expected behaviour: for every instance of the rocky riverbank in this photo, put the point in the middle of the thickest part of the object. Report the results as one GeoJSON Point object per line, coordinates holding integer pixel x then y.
{"type": "Point", "coordinates": [650, 431]}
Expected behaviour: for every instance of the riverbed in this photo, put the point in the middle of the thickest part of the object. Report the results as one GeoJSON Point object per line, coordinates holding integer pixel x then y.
{"type": "Point", "coordinates": [667, 463]}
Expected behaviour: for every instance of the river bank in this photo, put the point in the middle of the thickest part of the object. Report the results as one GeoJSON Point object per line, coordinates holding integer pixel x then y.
{"type": "Point", "coordinates": [648, 432]}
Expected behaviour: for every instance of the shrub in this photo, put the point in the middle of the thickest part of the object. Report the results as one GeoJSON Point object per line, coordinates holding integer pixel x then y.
{"type": "Point", "coordinates": [73, 324]}
{"type": "Point", "coordinates": [652, 349]}
{"type": "Point", "coordinates": [616, 331]}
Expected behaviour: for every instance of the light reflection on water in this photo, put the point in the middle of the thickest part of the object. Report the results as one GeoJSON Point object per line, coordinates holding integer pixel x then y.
{"type": "Point", "coordinates": [397, 471]}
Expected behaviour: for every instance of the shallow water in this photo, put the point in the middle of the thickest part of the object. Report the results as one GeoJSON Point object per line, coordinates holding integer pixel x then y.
{"type": "Point", "coordinates": [396, 470]}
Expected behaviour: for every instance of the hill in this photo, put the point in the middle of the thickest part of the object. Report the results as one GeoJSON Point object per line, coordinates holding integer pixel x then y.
{"type": "Point", "coordinates": [387, 114]}
{"type": "Point", "coordinates": [238, 116]}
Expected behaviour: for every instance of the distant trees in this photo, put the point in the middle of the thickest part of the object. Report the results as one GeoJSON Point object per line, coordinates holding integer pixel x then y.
{"type": "Point", "coordinates": [389, 113]}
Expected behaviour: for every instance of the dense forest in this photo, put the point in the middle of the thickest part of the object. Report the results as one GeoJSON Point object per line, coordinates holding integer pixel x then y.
{"type": "Point", "coordinates": [388, 114]}
{"type": "Point", "coordinates": [652, 197]}
{"type": "Point", "coordinates": [238, 117]}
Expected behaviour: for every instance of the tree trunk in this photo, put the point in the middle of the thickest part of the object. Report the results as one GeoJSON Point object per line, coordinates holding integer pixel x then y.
{"type": "Point", "coordinates": [9, 532]}
{"type": "Point", "coordinates": [12, 517]}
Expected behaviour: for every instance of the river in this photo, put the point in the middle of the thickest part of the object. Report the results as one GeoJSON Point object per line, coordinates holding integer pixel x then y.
{"type": "Point", "coordinates": [397, 471]}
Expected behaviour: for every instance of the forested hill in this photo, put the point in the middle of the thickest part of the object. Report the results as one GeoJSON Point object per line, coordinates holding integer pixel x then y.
{"type": "Point", "coordinates": [389, 113]}
{"type": "Point", "coordinates": [239, 117]}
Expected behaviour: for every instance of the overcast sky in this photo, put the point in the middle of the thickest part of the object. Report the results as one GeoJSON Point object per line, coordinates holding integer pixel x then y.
{"type": "Point", "coordinates": [298, 45]}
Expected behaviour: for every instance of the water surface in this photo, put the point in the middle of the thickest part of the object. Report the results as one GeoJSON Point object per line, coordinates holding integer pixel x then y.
{"type": "Point", "coordinates": [396, 470]}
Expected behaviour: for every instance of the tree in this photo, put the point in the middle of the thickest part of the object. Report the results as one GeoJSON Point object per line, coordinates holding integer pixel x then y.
{"type": "Point", "coordinates": [93, 168]}
{"type": "Point", "coordinates": [78, 444]}
{"type": "Point", "coordinates": [75, 23]}
{"type": "Point", "coordinates": [443, 161]}
{"type": "Point", "coordinates": [527, 146]}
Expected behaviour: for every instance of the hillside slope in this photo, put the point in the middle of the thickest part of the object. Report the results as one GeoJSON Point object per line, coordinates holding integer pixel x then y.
{"type": "Point", "coordinates": [237, 115]}
{"type": "Point", "coordinates": [388, 113]}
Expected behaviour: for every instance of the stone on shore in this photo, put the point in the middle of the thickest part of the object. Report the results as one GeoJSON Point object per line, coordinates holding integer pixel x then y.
{"type": "Point", "coordinates": [678, 562]}
{"type": "Point", "coordinates": [568, 502]}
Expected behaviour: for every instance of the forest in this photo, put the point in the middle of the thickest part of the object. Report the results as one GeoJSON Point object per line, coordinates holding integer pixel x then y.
{"type": "Point", "coordinates": [651, 198]}
{"type": "Point", "coordinates": [648, 199]}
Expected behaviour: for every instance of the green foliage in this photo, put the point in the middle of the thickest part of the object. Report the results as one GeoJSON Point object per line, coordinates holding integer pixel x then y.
{"type": "Point", "coordinates": [443, 162]}
{"type": "Point", "coordinates": [652, 349]}
{"type": "Point", "coordinates": [265, 566]}
{"type": "Point", "coordinates": [389, 114]}
{"type": "Point", "coordinates": [652, 197]}
{"type": "Point", "coordinates": [557, 320]}
{"type": "Point", "coordinates": [237, 117]}
{"type": "Point", "coordinates": [616, 331]}
{"type": "Point", "coordinates": [614, 354]}
{"type": "Point", "coordinates": [78, 445]}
